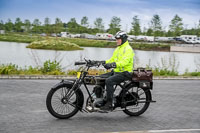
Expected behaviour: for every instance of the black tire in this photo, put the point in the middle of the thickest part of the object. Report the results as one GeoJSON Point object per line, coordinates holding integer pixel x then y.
{"type": "Point", "coordinates": [57, 104]}
{"type": "Point", "coordinates": [136, 95]}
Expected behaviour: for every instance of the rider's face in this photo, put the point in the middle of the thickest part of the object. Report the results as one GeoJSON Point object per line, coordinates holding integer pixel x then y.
{"type": "Point", "coordinates": [119, 41]}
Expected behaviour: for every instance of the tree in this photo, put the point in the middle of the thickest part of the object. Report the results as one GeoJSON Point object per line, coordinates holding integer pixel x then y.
{"type": "Point", "coordinates": [9, 26]}
{"type": "Point", "coordinates": [27, 25]}
{"type": "Point", "coordinates": [156, 25]}
{"type": "Point", "coordinates": [73, 26]}
{"type": "Point", "coordinates": [18, 25]}
{"type": "Point", "coordinates": [149, 32]}
{"type": "Point", "coordinates": [198, 28]}
{"type": "Point", "coordinates": [2, 27]}
{"type": "Point", "coordinates": [84, 21]}
{"type": "Point", "coordinates": [176, 25]}
{"type": "Point", "coordinates": [114, 25]}
{"type": "Point", "coordinates": [58, 25]}
{"type": "Point", "coordinates": [99, 24]}
{"type": "Point", "coordinates": [135, 26]}
{"type": "Point", "coordinates": [37, 26]}
{"type": "Point", "coordinates": [47, 26]}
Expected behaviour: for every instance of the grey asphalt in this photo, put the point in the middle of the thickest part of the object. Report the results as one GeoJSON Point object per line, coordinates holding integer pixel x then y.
{"type": "Point", "coordinates": [23, 110]}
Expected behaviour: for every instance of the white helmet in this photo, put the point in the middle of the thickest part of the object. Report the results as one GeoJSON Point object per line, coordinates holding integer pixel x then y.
{"type": "Point", "coordinates": [121, 35]}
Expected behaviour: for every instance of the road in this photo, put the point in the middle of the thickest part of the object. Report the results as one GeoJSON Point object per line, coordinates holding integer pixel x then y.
{"type": "Point", "coordinates": [23, 110]}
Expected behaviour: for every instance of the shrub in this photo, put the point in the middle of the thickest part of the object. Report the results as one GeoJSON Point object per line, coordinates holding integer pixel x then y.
{"type": "Point", "coordinates": [52, 68]}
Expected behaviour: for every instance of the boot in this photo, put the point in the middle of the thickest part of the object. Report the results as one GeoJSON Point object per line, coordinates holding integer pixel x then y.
{"type": "Point", "coordinates": [107, 106]}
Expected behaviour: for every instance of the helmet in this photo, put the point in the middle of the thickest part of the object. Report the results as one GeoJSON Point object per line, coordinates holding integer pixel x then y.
{"type": "Point", "coordinates": [121, 35]}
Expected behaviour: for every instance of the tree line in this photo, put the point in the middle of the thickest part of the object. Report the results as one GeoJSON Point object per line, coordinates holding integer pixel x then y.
{"type": "Point", "coordinates": [155, 28]}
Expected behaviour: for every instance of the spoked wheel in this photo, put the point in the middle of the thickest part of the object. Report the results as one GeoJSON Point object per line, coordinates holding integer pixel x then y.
{"type": "Point", "coordinates": [63, 102]}
{"type": "Point", "coordinates": [136, 101]}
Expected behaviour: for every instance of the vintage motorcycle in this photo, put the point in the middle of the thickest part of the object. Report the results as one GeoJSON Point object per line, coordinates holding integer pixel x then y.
{"type": "Point", "coordinates": [66, 98]}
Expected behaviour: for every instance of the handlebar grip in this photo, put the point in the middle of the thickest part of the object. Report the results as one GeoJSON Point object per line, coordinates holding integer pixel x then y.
{"type": "Point", "coordinates": [80, 63]}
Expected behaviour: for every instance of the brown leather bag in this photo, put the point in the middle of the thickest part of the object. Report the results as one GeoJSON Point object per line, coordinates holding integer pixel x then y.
{"type": "Point", "coordinates": [141, 74]}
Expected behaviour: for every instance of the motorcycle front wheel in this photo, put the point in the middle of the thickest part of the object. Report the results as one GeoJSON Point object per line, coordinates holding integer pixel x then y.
{"type": "Point", "coordinates": [62, 105]}
{"type": "Point", "coordinates": [136, 101]}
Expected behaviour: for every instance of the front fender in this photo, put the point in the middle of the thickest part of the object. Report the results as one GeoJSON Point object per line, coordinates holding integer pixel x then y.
{"type": "Point", "coordinates": [67, 83]}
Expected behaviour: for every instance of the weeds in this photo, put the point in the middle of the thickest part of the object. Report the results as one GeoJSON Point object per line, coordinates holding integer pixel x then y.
{"type": "Point", "coordinates": [49, 68]}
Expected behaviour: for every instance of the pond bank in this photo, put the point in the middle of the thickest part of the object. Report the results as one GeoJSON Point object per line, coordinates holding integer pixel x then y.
{"type": "Point", "coordinates": [84, 42]}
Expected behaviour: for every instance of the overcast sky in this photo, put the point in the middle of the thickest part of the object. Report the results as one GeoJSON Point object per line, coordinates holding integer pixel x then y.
{"type": "Point", "coordinates": [189, 10]}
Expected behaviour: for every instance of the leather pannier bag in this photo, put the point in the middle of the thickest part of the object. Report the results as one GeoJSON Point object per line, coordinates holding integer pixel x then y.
{"type": "Point", "coordinates": [141, 74]}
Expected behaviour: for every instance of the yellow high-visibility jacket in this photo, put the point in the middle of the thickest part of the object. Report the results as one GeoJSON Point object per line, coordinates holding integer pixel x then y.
{"type": "Point", "coordinates": [123, 57]}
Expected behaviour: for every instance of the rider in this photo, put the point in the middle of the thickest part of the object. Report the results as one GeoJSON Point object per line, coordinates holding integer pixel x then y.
{"type": "Point", "coordinates": [122, 62]}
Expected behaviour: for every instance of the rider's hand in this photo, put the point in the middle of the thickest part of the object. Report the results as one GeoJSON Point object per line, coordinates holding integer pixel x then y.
{"type": "Point", "coordinates": [110, 65]}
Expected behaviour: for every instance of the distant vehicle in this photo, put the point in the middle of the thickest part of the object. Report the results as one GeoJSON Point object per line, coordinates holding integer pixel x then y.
{"type": "Point", "coordinates": [43, 34]}
{"type": "Point", "coordinates": [75, 35]}
{"type": "Point", "coordinates": [131, 37]}
{"type": "Point", "coordinates": [192, 39]}
{"type": "Point", "coordinates": [53, 35]}
{"type": "Point", "coordinates": [164, 39]}
{"type": "Point", "coordinates": [105, 36]}
{"type": "Point", "coordinates": [64, 34]}
{"type": "Point", "coordinates": [145, 38]}
{"type": "Point", "coordinates": [198, 40]}
{"type": "Point", "coordinates": [58, 35]}
{"type": "Point", "coordinates": [88, 36]}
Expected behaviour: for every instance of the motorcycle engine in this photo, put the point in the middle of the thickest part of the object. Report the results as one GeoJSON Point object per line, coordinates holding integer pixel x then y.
{"type": "Point", "coordinates": [99, 100]}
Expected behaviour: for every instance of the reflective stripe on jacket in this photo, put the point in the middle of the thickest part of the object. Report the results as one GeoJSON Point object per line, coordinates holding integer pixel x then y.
{"type": "Point", "coordinates": [123, 57]}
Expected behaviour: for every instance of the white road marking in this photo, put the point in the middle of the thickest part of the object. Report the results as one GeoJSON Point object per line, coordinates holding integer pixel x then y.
{"type": "Point", "coordinates": [160, 131]}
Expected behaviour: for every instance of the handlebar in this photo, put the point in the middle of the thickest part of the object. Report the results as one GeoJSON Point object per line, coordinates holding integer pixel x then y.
{"type": "Point", "coordinates": [80, 63]}
{"type": "Point", "coordinates": [89, 63]}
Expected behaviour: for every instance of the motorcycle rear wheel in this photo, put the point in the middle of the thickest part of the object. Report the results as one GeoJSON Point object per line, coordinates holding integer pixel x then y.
{"type": "Point", "coordinates": [137, 101]}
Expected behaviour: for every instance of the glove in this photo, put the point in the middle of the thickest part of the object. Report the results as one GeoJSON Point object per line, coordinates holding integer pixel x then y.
{"type": "Point", "coordinates": [110, 65]}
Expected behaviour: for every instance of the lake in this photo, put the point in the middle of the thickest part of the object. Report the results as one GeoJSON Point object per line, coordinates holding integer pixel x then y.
{"type": "Point", "coordinates": [17, 53]}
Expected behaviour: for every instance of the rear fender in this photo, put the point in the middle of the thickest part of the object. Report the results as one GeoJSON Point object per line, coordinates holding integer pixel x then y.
{"type": "Point", "coordinates": [133, 84]}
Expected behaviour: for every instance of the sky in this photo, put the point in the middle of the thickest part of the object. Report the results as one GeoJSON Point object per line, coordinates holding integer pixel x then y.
{"type": "Point", "coordinates": [188, 10]}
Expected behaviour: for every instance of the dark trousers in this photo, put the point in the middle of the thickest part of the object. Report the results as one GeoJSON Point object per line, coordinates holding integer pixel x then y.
{"type": "Point", "coordinates": [114, 78]}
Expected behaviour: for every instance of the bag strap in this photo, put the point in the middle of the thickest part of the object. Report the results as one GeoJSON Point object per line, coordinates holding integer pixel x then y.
{"type": "Point", "coordinates": [141, 69]}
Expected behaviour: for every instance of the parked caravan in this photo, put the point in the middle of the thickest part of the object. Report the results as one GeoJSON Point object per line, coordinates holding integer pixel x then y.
{"type": "Point", "coordinates": [88, 36]}
{"type": "Point", "coordinates": [64, 34]}
{"type": "Point", "coordinates": [164, 39]}
{"type": "Point", "coordinates": [192, 39]}
{"type": "Point", "coordinates": [75, 35]}
{"type": "Point", "coordinates": [104, 36]}
{"type": "Point", "coordinates": [145, 38]}
{"type": "Point", "coordinates": [131, 37]}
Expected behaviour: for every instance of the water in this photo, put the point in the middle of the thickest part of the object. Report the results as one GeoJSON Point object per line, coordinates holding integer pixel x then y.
{"type": "Point", "coordinates": [17, 53]}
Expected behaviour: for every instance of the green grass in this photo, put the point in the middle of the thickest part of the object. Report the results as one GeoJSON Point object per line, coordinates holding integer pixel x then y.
{"type": "Point", "coordinates": [191, 74]}
{"type": "Point", "coordinates": [20, 38]}
{"type": "Point", "coordinates": [90, 43]}
{"type": "Point", "coordinates": [153, 47]}
{"type": "Point", "coordinates": [54, 44]}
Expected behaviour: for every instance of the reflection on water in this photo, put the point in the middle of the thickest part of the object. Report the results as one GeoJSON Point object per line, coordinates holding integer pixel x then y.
{"type": "Point", "coordinates": [17, 53]}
